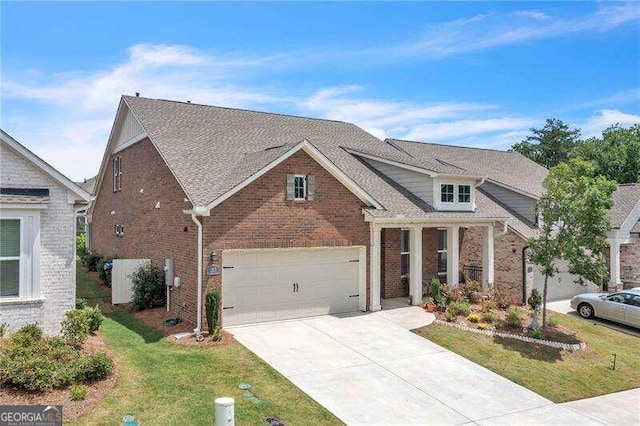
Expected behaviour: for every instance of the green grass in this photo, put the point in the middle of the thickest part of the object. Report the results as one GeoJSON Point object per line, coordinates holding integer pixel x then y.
{"type": "Point", "coordinates": [161, 383]}
{"type": "Point", "coordinates": [557, 375]}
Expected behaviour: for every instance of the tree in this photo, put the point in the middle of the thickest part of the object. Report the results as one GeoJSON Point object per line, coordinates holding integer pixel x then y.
{"type": "Point", "coordinates": [574, 217]}
{"type": "Point", "coordinates": [550, 145]}
{"type": "Point", "coordinates": [616, 155]}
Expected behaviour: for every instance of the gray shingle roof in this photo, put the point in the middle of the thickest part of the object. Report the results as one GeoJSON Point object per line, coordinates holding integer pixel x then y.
{"type": "Point", "coordinates": [210, 150]}
{"type": "Point", "coordinates": [625, 198]}
{"type": "Point", "coordinates": [505, 167]}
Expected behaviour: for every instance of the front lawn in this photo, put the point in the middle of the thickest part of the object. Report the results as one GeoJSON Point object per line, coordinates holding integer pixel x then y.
{"type": "Point", "coordinates": [557, 375]}
{"type": "Point", "coordinates": [162, 383]}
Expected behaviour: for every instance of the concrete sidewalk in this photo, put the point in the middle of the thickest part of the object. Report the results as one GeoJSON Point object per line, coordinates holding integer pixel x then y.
{"type": "Point", "coordinates": [621, 408]}
{"type": "Point", "coordinates": [370, 369]}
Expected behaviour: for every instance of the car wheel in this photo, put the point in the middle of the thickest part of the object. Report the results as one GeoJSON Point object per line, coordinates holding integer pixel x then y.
{"type": "Point", "coordinates": [585, 310]}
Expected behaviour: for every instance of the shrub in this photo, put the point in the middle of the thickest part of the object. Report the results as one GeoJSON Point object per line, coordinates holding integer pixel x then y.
{"type": "Point", "coordinates": [75, 327]}
{"type": "Point", "coordinates": [471, 289]}
{"type": "Point", "coordinates": [488, 305]}
{"type": "Point", "coordinates": [535, 300]}
{"type": "Point", "coordinates": [94, 318]}
{"type": "Point", "coordinates": [104, 271]}
{"type": "Point", "coordinates": [513, 318]}
{"type": "Point", "coordinates": [483, 326]}
{"type": "Point", "coordinates": [80, 303]}
{"type": "Point", "coordinates": [81, 247]}
{"type": "Point", "coordinates": [536, 333]}
{"type": "Point", "coordinates": [434, 289]}
{"type": "Point", "coordinates": [500, 297]}
{"type": "Point", "coordinates": [28, 334]}
{"type": "Point", "coordinates": [459, 308]}
{"type": "Point", "coordinates": [491, 318]}
{"type": "Point", "coordinates": [78, 392]}
{"type": "Point", "coordinates": [552, 321]}
{"type": "Point", "coordinates": [92, 261]}
{"type": "Point", "coordinates": [474, 318]}
{"type": "Point", "coordinates": [212, 307]}
{"type": "Point", "coordinates": [148, 287]}
{"type": "Point", "coordinates": [450, 294]}
{"type": "Point", "coordinates": [94, 367]}
{"type": "Point", "coordinates": [450, 315]}
{"type": "Point", "coordinates": [36, 373]}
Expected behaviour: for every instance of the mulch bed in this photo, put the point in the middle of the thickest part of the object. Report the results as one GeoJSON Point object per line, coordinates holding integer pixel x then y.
{"type": "Point", "coordinates": [556, 333]}
{"type": "Point", "coordinates": [206, 343]}
{"type": "Point", "coordinates": [71, 410]}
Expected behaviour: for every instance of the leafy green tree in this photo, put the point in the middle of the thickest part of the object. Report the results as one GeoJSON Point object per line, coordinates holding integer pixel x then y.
{"type": "Point", "coordinates": [574, 217]}
{"type": "Point", "coordinates": [616, 155]}
{"type": "Point", "coordinates": [551, 144]}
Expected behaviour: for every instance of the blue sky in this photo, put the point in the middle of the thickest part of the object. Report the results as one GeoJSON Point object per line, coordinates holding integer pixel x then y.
{"type": "Point", "coordinates": [477, 74]}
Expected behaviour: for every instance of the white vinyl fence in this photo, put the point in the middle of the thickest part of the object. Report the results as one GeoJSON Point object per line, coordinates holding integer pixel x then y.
{"type": "Point", "coordinates": [121, 284]}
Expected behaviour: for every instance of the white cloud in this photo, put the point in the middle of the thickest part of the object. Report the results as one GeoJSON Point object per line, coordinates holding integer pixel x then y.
{"type": "Point", "coordinates": [457, 129]}
{"type": "Point", "coordinates": [532, 14]}
{"type": "Point", "coordinates": [602, 119]}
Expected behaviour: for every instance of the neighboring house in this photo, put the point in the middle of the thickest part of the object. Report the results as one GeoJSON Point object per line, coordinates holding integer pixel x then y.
{"type": "Point", "coordinates": [294, 216]}
{"type": "Point", "coordinates": [624, 238]}
{"type": "Point", "coordinates": [38, 208]}
{"type": "Point", "coordinates": [88, 185]}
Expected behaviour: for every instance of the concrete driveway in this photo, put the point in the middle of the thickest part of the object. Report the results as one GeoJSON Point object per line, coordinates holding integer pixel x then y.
{"type": "Point", "coordinates": [370, 369]}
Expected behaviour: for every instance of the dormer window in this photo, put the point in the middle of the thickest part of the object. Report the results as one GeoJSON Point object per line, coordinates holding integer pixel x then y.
{"type": "Point", "coordinates": [464, 193]}
{"type": "Point", "coordinates": [446, 193]}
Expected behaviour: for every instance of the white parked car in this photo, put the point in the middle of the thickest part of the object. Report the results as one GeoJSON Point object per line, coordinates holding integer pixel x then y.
{"type": "Point", "coordinates": [622, 307]}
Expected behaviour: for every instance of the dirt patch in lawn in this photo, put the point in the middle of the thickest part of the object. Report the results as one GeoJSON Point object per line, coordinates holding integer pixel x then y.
{"type": "Point", "coordinates": [71, 410]}
{"type": "Point", "coordinates": [191, 341]}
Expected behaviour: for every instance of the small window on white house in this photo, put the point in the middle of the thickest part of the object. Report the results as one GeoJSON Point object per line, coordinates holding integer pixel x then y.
{"type": "Point", "coordinates": [446, 193]}
{"type": "Point", "coordinates": [117, 174]}
{"type": "Point", "coordinates": [119, 229]}
{"type": "Point", "coordinates": [404, 252]}
{"type": "Point", "coordinates": [9, 257]}
{"type": "Point", "coordinates": [300, 187]}
{"type": "Point", "coordinates": [442, 252]}
{"type": "Point", "coordinates": [464, 193]}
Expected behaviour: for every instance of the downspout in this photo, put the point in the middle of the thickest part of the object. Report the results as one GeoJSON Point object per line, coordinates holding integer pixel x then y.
{"type": "Point", "coordinates": [198, 329]}
{"type": "Point", "coordinates": [524, 275]}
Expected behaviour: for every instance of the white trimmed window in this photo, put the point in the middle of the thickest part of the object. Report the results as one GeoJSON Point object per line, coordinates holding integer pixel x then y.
{"type": "Point", "coordinates": [464, 193]}
{"type": "Point", "coordinates": [442, 252]}
{"type": "Point", "coordinates": [300, 187]}
{"type": "Point", "coordinates": [19, 254]}
{"type": "Point", "coordinates": [117, 174]}
{"type": "Point", "coordinates": [119, 230]}
{"type": "Point", "coordinates": [446, 192]}
{"type": "Point", "coordinates": [404, 252]}
{"type": "Point", "coordinates": [10, 257]}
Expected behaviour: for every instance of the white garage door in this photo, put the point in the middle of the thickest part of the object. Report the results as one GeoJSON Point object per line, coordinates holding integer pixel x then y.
{"type": "Point", "coordinates": [275, 284]}
{"type": "Point", "coordinates": [563, 285]}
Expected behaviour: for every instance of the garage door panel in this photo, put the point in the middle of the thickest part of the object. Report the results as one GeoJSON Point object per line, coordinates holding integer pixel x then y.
{"type": "Point", "coordinates": [260, 287]}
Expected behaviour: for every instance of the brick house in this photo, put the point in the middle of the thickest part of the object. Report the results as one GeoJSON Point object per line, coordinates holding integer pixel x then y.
{"type": "Point", "coordinates": [38, 207]}
{"type": "Point", "coordinates": [294, 216]}
{"type": "Point", "coordinates": [624, 238]}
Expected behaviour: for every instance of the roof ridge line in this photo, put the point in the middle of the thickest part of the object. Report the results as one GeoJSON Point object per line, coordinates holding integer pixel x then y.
{"type": "Point", "coordinates": [453, 146]}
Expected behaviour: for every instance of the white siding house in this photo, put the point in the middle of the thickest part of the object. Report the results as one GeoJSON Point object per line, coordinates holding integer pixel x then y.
{"type": "Point", "coordinates": [38, 208]}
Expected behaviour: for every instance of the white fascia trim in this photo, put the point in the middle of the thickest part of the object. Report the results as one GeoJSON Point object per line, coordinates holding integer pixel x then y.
{"type": "Point", "coordinates": [131, 141]}
{"type": "Point", "coordinates": [392, 162]}
{"type": "Point", "coordinates": [45, 167]}
{"type": "Point", "coordinates": [513, 188]}
{"type": "Point", "coordinates": [630, 221]}
{"type": "Point", "coordinates": [320, 158]}
{"type": "Point", "coordinates": [429, 222]}
{"type": "Point", "coordinates": [39, 206]}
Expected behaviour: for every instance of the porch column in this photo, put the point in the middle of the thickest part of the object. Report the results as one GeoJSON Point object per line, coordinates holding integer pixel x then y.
{"type": "Point", "coordinates": [453, 255]}
{"type": "Point", "coordinates": [614, 262]}
{"type": "Point", "coordinates": [488, 258]}
{"type": "Point", "coordinates": [375, 266]}
{"type": "Point", "coordinates": [415, 268]}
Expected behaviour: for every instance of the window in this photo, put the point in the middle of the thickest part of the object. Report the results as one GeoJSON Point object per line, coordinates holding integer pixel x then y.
{"type": "Point", "coordinates": [119, 230]}
{"type": "Point", "coordinates": [300, 187]}
{"type": "Point", "coordinates": [464, 193]}
{"type": "Point", "coordinates": [404, 251]}
{"type": "Point", "coordinates": [117, 174]}
{"type": "Point", "coordinates": [442, 252]}
{"type": "Point", "coordinates": [446, 193]}
{"type": "Point", "coordinates": [9, 257]}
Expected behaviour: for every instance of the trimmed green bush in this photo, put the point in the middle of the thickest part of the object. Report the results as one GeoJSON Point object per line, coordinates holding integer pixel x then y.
{"type": "Point", "coordinates": [94, 318]}
{"type": "Point", "coordinates": [91, 261]}
{"type": "Point", "coordinates": [513, 318]}
{"type": "Point", "coordinates": [94, 367]}
{"type": "Point", "coordinates": [78, 392]}
{"type": "Point", "coordinates": [27, 335]}
{"type": "Point", "coordinates": [535, 300]}
{"type": "Point", "coordinates": [459, 308]}
{"type": "Point", "coordinates": [148, 287]}
{"type": "Point", "coordinates": [212, 307]}
{"type": "Point", "coordinates": [491, 318]}
{"type": "Point", "coordinates": [75, 327]}
{"type": "Point", "coordinates": [81, 247]}
{"type": "Point", "coordinates": [80, 303]}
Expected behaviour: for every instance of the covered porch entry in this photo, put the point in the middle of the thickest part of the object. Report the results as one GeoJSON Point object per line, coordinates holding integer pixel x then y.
{"type": "Point", "coordinates": [405, 256]}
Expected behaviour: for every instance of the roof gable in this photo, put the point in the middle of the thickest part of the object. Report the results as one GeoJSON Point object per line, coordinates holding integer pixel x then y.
{"type": "Point", "coordinates": [79, 193]}
{"type": "Point", "coordinates": [625, 212]}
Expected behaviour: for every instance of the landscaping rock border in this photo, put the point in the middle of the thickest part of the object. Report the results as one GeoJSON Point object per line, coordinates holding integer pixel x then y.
{"type": "Point", "coordinates": [558, 345]}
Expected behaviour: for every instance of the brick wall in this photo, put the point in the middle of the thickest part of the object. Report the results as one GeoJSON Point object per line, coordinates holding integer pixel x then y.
{"type": "Point", "coordinates": [391, 281]}
{"type": "Point", "coordinates": [630, 262]}
{"type": "Point", "coordinates": [507, 258]}
{"type": "Point", "coordinates": [259, 216]}
{"type": "Point", "coordinates": [57, 248]}
{"type": "Point", "coordinates": [149, 232]}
